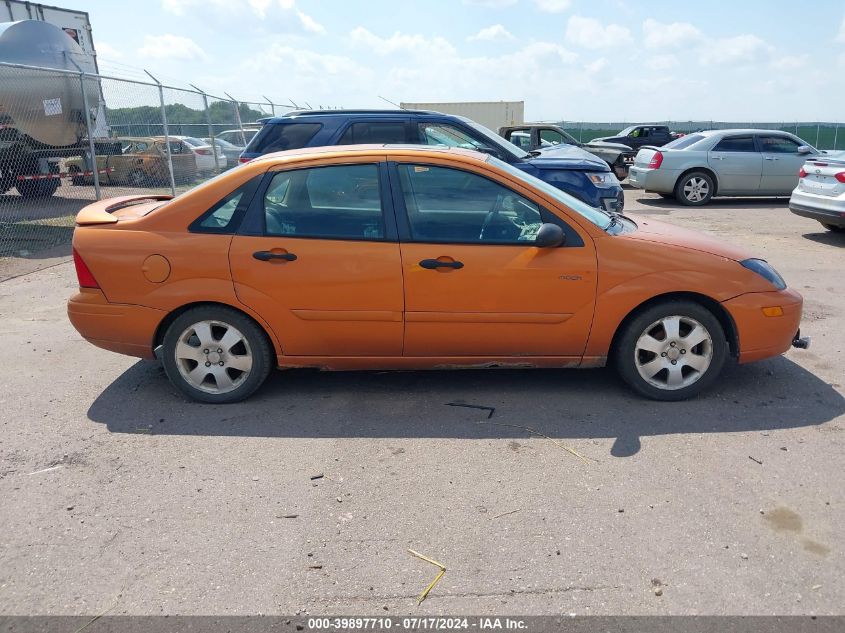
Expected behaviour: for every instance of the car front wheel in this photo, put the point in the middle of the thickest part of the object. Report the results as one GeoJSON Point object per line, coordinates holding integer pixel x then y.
{"type": "Point", "coordinates": [216, 354]}
{"type": "Point", "coordinates": [694, 189]}
{"type": "Point", "coordinates": [672, 351]}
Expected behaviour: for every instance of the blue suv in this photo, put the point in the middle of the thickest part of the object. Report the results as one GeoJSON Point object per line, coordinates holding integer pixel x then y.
{"type": "Point", "coordinates": [569, 168]}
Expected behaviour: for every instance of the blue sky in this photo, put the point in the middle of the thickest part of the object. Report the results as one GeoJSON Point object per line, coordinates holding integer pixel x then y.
{"type": "Point", "coordinates": [597, 60]}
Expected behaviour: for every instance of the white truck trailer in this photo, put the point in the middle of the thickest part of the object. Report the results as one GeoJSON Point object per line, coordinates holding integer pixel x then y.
{"type": "Point", "coordinates": [491, 114]}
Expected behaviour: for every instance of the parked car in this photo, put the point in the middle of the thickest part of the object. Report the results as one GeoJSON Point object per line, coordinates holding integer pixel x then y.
{"type": "Point", "coordinates": [636, 136]}
{"type": "Point", "coordinates": [137, 161]}
{"type": "Point", "coordinates": [698, 166]}
{"type": "Point", "coordinates": [399, 257]}
{"type": "Point", "coordinates": [820, 193]}
{"type": "Point", "coordinates": [230, 152]}
{"type": "Point", "coordinates": [574, 171]}
{"type": "Point", "coordinates": [209, 159]}
{"type": "Point", "coordinates": [546, 137]}
{"type": "Point", "coordinates": [239, 138]}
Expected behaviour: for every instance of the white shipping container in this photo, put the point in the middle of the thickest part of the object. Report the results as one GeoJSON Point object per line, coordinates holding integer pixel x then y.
{"type": "Point", "coordinates": [491, 114]}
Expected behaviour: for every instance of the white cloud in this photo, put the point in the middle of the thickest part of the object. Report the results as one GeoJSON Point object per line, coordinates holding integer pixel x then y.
{"type": "Point", "coordinates": [674, 35]}
{"type": "Point", "coordinates": [106, 50]}
{"type": "Point", "coordinates": [590, 33]}
{"type": "Point", "coordinates": [491, 4]}
{"type": "Point", "coordinates": [662, 62]}
{"type": "Point", "coordinates": [597, 66]}
{"type": "Point", "coordinates": [494, 33]}
{"type": "Point", "coordinates": [743, 49]}
{"type": "Point", "coordinates": [401, 43]}
{"type": "Point", "coordinates": [553, 6]}
{"type": "Point", "coordinates": [169, 46]}
{"type": "Point", "coordinates": [310, 24]}
{"type": "Point", "coordinates": [790, 62]}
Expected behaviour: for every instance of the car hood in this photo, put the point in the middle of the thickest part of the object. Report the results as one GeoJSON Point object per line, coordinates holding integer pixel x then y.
{"type": "Point", "coordinates": [599, 144]}
{"type": "Point", "coordinates": [650, 230]}
{"type": "Point", "coordinates": [566, 157]}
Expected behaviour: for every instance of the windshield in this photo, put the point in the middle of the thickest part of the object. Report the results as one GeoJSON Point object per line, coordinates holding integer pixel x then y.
{"type": "Point", "coordinates": [194, 142]}
{"type": "Point", "coordinates": [627, 131]}
{"type": "Point", "coordinates": [496, 140]}
{"type": "Point", "coordinates": [594, 215]}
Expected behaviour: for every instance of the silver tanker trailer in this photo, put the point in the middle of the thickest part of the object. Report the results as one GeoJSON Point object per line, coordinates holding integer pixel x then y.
{"type": "Point", "coordinates": [42, 114]}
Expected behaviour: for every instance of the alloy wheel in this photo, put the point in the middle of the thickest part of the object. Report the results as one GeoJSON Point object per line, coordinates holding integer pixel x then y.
{"type": "Point", "coordinates": [213, 356]}
{"type": "Point", "coordinates": [696, 189]}
{"type": "Point", "coordinates": [673, 352]}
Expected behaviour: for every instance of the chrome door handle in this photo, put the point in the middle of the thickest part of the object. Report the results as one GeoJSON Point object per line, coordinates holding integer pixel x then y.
{"type": "Point", "coordinates": [718, 157]}
{"type": "Point", "coordinates": [770, 158]}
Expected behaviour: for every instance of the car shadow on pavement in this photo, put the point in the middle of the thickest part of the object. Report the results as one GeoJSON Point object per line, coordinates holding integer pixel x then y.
{"type": "Point", "coordinates": [770, 395]}
{"type": "Point", "coordinates": [740, 204]}
{"type": "Point", "coordinates": [830, 238]}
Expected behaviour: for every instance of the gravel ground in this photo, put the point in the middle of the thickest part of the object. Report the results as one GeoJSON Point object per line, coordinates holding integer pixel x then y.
{"type": "Point", "coordinates": [118, 494]}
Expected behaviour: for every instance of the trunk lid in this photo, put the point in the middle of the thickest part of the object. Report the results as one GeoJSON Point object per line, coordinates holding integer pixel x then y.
{"type": "Point", "coordinates": [821, 175]}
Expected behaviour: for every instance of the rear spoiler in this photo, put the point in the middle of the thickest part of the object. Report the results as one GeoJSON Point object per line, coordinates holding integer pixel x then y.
{"type": "Point", "coordinates": [654, 147]}
{"type": "Point", "coordinates": [101, 212]}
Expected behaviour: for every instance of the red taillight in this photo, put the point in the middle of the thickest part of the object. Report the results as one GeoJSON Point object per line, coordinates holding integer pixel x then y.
{"type": "Point", "coordinates": [83, 273]}
{"type": "Point", "coordinates": [656, 161]}
{"type": "Point", "coordinates": [802, 173]}
{"type": "Point", "coordinates": [243, 159]}
{"type": "Point", "coordinates": [840, 176]}
{"type": "Point", "coordinates": [204, 152]}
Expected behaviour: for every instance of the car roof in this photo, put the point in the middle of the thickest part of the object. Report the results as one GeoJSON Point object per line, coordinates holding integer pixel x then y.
{"type": "Point", "coordinates": [742, 131]}
{"type": "Point", "coordinates": [377, 149]}
{"type": "Point", "coordinates": [375, 113]}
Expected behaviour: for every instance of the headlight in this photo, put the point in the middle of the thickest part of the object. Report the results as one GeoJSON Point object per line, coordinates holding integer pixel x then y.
{"type": "Point", "coordinates": [765, 270]}
{"type": "Point", "coordinates": [603, 179]}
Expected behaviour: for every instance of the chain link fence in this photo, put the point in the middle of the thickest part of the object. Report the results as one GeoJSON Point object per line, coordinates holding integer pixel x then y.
{"type": "Point", "coordinates": [822, 135]}
{"type": "Point", "coordinates": [70, 138]}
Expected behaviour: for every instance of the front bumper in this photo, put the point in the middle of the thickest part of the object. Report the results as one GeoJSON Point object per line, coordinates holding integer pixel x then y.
{"type": "Point", "coordinates": [121, 328]}
{"type": "Point", "coordinates": [762, 336]}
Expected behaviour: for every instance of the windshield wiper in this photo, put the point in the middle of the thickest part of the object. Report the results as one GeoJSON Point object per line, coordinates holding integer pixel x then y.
{"type": "Point", "coordinates": [614, 220]}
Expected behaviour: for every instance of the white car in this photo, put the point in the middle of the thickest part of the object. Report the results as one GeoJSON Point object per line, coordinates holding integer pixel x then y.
{"type": "Point", "coordinates": [820, 194]}
{"type": "Point", "coordinates": [239, 138]}
{"type": "Point", "coordinates": [204, 154]}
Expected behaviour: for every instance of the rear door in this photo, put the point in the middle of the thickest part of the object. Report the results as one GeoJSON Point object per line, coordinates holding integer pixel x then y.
{"type": "Point", "coordinates": [320, 262]}
{"type": "Point", "coordinates": [737, 164]}
{"type": "Point", "coordinates": [475, 285]}
{"type": "Point", "coordinates": [781, 164]}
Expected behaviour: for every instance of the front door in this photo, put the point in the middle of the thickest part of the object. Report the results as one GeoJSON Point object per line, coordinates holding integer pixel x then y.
{"type": "Point", "coordinates": [737, 164]}
{"type": "Point", "coordinates": [474, 283]}
{"type": "Point", "coordinates": [324, 270]}
{"type": "Point", "coordinates": [781, 164]}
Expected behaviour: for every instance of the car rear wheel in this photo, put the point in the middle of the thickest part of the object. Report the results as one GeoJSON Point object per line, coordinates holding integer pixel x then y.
{"type": "Point", "coordinates": [834, 228]}
{"type": "Point", "coordinates": [694, 189]}
{"type": "Point", "coordinates": [672, 351]}
{"type": "Point", "coordinates": [216, 354]}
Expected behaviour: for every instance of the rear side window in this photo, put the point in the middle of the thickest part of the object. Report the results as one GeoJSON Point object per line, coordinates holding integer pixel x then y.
{"type": "Point", "coordinates": [335, 202]}
{"type": "Point", "coordinates": [225, 216]}
{"type": "Point", "coordinates": [374, 132]}
{"type": "Point", "coordinates": [279, 137]}
{"type": "Point", "coordinates": [736, 144]}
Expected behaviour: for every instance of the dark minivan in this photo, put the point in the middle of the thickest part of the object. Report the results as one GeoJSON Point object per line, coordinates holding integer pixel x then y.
{"type": "Point", "coordinates": [574, 171]}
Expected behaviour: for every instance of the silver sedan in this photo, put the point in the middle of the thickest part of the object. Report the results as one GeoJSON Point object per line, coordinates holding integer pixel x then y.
{"type": "Point", "coordinates": [698, 166]}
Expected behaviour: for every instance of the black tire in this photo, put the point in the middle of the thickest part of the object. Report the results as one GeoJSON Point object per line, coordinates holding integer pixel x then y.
{"type": "Point", "coordinates": [694, 189]}
{"type": "Point", "coordinates": [254, 342]}
{"type": "Point", "coordinates": [629, 356]}
{"type": "Point", "coordinates": [32, 189]}
{"type": "Point", "coordinates": [138, 178]}
{"type": "Point", "coordinates": [76, 179]}
{"type": "Point", "coordinates": [833, 227]}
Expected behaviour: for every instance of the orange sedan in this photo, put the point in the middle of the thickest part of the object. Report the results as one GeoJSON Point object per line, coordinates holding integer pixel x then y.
{"type": "Point", "coordinates": [395, 257]}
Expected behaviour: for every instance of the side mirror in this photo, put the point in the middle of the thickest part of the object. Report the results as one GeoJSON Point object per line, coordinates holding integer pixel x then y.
{"type": "Point", "coordinates": [549, 236]}
{"type": "Point", "coordinates": [805, 149]}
